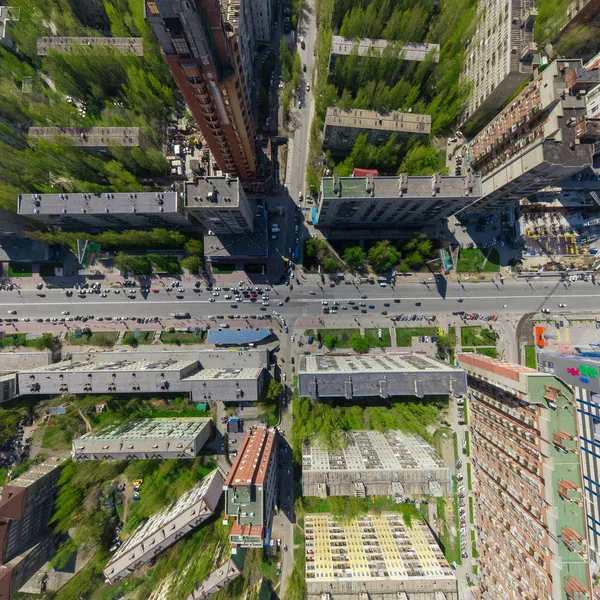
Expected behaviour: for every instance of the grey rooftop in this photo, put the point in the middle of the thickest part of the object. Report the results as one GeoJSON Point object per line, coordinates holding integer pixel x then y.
{"type": "Point", "coordinates": [213, 192]}
{"type": "Point", "coordinates": [70, 44]}
{"type": "Point", "coordinates": [343, 46]}
{"type": "Point", "coordinates": [93, 137]}
{"type": "Point", "coordinates": [370, 119]}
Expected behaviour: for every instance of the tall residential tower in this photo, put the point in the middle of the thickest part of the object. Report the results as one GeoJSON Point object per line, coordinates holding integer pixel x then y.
{"type": "Point", "coordinates": [209, 58]}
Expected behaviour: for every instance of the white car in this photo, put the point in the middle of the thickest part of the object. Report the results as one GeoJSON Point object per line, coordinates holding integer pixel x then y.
{"type": "Point", "coordinates": [11, 312]}
{"type": "Point", "coordinates": [308, 87]}
{"type": "Point", "coordinates": [65, 312]}
{"type": "Point", "coordinates": [562, 306]}
{"type": "Point", "coordinates": [293, 338]}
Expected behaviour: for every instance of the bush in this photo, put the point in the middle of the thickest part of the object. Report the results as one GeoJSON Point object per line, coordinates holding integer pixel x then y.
{"type": "Point", "coordinates": [355, 257]}
{"type": "Point", "coordinates": [383, 256]}
{"type": "Point", "coordinates": [193, 264]}
{"type": "Point", "coordinates": [359, 343]}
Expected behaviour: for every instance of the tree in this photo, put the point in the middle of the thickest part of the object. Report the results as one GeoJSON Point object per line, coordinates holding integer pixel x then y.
{"type": "Point", "coordinates": [359, 343]}
{"type": "Point", "coordinates": [193, 264]}
{"type": "Point", "coordinates": [330, 341]}
{"type": "Point", "coordinates": [45, 342]}
{"type": "Point", "coordinates": [420, 160]}
{"type": "Point", "coordinates": [414, 259]}
{"type": "Point", "coordinates": [273, 392]}
{"type": "Point", "coordinates": [447, 341]}
{"type": "Point", "coordinates": [330, 265]}
{"type": "Point", "coordinates": [383, 256]}
{"type": "Point", "coordinates": [140, 265]}
{"type": "Point", "coordinates": [355, 257]}
{"type": "Point", "coordinates": [194, 247]}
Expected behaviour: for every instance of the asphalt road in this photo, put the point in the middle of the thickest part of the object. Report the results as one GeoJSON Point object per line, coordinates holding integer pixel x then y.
{"type": "Point", "coordinates": [418, 298]}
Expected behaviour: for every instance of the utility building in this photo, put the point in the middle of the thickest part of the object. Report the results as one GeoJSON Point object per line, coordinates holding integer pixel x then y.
{"type": "Point", "coordinates": [126, 45]}
{"type": "Point", "coordinates": [343, 46]}
{"type": "Point", "coordinates": [377, 375]}
{"type": "Point", "coordinates": [342, 127]}
{"type": "Point", "coordinates": [163, 529]}
{"type": "Point", "coordinates": [393, 202]}
{"type": "Point", "coordinates": [93, 137]}
{"type": "Point", "coordinates": [375, 556]}
{"type": "Point", "coordinates": [145, 439]}
{"type": "Point", "coordinates": [250, 490]}
{"type": "Point", "coordinates": [529, 503]}
{"type": "Point", "coordinates": [375, 464]}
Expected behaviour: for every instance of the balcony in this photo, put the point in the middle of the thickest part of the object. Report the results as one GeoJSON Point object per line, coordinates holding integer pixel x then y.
{"type": "Point", "coordinates": [569, 492]}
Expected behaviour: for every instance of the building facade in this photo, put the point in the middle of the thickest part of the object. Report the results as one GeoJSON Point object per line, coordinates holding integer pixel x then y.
{"type": "Point", "coordinates": [582, 374]}
{"type": "Point", "coordinates": [342, 127]}
{"type": "Point", "coordinates": [145, 439]}
{"type": "Point", "coordinates": [377, 376]}
{"type": "Point", "coordinates": [375, 556]}
{"type": "Point", "coordinates": [539, 139]}
{"type": "Point", "coordinates": [499, 57]}
{"type": "Point", "coordinates": [220, 205]}
{"type": "Point", "coordinates": [250, 490]}
{"type": "Point", "coordinates": [529, 511]}
{"type": "Point", "coordinates": [105, 211]}
{"type": "Point", "coordinates": [207, 59]}
{"type": "Point", "coordinates": [375, 464]}
{"type": "Point", "coordinates": [392, 202]}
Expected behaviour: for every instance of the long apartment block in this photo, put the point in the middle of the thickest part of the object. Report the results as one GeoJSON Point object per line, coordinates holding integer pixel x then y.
{"type": "Point", "coordinates": [125, 45]}
{"type": "Point", "coordinates": [250, 489]}
{"type": "Point", "coordinates": [372, 463]}
{"type": "Point", "coordinates": [145, 439]}
{"type": "Point", "coordinates": [376, 556]}
{"type": "Point", "coordinates": [93, 137]}
{"type": "Point", "coordinates": [413, 51]}
{"type": "Point", "coordinates": [166, 527]}
{"type": "Point", "coordinates": [500, 55]}
{"type": "Point", "coordinates": [529, 505]}
{"type": "Point", "coordinates": [539, 139]}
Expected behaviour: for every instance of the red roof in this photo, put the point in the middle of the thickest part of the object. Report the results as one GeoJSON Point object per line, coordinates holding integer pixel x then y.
{"type": "Point", "coordinates": [365, 172]}
{"type": "Point", "coordinates": [250, 466]}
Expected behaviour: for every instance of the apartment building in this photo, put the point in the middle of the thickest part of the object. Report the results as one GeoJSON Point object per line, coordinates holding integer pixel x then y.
{"type": "Point", "coordinates": [372, 463]}
{"type": "Point", "coordinates": [402, 202]}
{"type": "Point", "coordinates": [106, 211]}
{"type": "Point", "coordinates": [581, 373]}
{"type": "Point", "coordinates": [539, 139]}
{"type": "Point", "coordinates": [93, 137]}
{"type": "Point", "coordinates": [165, 528]}
{"type": "Point", "coordinates": [413, 51]}
{"type": "Point", "coordinates": [26, 507]}
{"type": "Point", "coordinates": [529, 507]}
{"type": "Point", "coordinates": [342, 127]}
{"type": "Point", "coordinates": [145, 439]}
{"type": "Point", "coordinates": [499, 57]}
{"type": "Point", "coordinates": [209, 56]}
{"type": "Point", "coordinates": [220, 205]}
{"type": "Point", "coordinates": [377, 376]}
{"type": "Point", "coordinates": [250, 490]}
{"type": "Point", "coordinates": [375, 556]}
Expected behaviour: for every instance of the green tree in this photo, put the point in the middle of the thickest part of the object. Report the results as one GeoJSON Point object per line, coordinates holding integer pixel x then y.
{"type": "Point", "coordinates": [274, 391]}
{"type": "Point", "coordinates": [383, 256]}
{"type": "Point", "coordinates": [330, 341]}
{"type": "Point", "coordinates": [194, 247]}
{"type": "Point", "coordinates": [193, 264]}
{"type": "Point", "coordinates": [414, 259]}
{"type": "Point", "coordinates": [359, 343]}
{"type": "Point", "coordinates": [447, 341]}
{"type": "Point", "coordinates": [330, 265]}
{"type": "Point", "coordinates": [355, 257]}
{"type": "Point", "coordinates": [45, 342]}
{"type": "Point", "coordinates": [139, 265]}
{"type": "Point", "coordinates": [420, 160]}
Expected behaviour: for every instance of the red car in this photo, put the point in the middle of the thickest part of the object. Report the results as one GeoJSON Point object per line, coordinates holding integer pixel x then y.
{"type": "Point", "coordinates": [332, 284]}
{"type": "Point", "coordinates": [155, 291]}
{"type": "Point", "coordinates": [291, 287]}
{"type": "Point", "coordinates": [282, 359]}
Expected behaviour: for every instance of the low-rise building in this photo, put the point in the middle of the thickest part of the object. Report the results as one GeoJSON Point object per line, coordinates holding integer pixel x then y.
{"type": "Point", "coordinates": [528, 488]}
{"type": "Point", "coordinates": [145, 439]}
{"type": "Point", "coordinates": [94, 137]}
{"type": "Point", "coordinates": [101, 211]}
{"type": "Point", "coordinates": [166, 527]}
{"type": "Point", "coordinates": [377, 375]}
{"type": "Point", "coordinates": [126, 45]}
{"type": "Point", "coordinates": [413, 51]}
{"type": "Point", "coordinates": [378, 556]}
{"type": "Point", "coordinates": [375, 464]}
{"type": "Point", "coordinates": [250, 490]}
{"type": "Point", "coordinates": [408, 203]}
{"type": "Point", "coordinates": [342, 127]}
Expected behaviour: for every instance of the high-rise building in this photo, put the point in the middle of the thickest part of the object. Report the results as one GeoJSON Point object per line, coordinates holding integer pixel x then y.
{"type": "Point", "coordinates": [540, 138]}
{"type": "Point", "coordinates": [210, 55]}
{"type": "Point", "coordinates": [529, 512]}
{"type": "Point", "coordinates": [250, 490]}
{"type": "Point", "coordinates": [500, 55]}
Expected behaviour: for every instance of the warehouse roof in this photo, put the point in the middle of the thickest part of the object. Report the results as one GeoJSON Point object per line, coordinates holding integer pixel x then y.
{"type": "Point", "coordinates": [237, 337]}
{"type": "Point", "coordinates": [151, 429]}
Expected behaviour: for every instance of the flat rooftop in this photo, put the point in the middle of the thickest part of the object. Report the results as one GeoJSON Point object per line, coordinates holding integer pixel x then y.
{"type": "Point", "coordinates": [250, 466]}
{"type": "Point", "coordinates": [395, 121]}
{"type": "Point", "coordinates": [69, 44]}
{"type": "Point", "coordinates": [232, 337]}
{"type": "Point", "coordinates": [364, 450]}
{"type": "Point", "coordinates": [372, 548]}
{"type": "Point", "coordinates": [78, 204]}
{"type": "Point", "coordinates": [343, 46]}
{"type": "Point", "coordinates": [36, 472]}
{"type": "Point", "coordinates": [213, 192]}
{"type": "Point", "coordinates": [389, 187]}
{"type": "Point", "coordinates": [168, 364]}
{"type": "Point", "coordinates": [92, 137]}
{"type": "Point", "coordinates": [376, 363]}
{"type": "Point", "coordinates": [151, 429]}
{"type": "Point", "coordinates": [227, 374]}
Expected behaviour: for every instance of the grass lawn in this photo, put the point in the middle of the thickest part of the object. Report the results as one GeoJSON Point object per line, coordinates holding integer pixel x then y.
{"type": "Point", "coordinates": [47, 269]}
{"type": "Point", "coordinates": [471, 261]}
{"type": "Point", "coordinates": [96, 338]}
{"type": "Point", "coordinates": [491, 352]}
{"type": "Point", "coordinates": [223, 269]}
{"type": "Point", "coordinates": [14, 339]}
{"type": "Point", "coordinates": [19, 269]}
{"type": "Point", "coordinates": [182, 337]}
{"type": "Point", "coordinates": [270, 413]}
{"type": "Point", "coordinates": [373, 338]}
{"type": "Point", "coordinates": [477, 336]}
{"type": "Point", "coordinates": [471, 513]}
{"type": "Point", "coordinates": [469, 477]}
{"type": "Point", "coordinates": [455, 440]}
{"type": "Point", "coordinates": [145, 337]}
{"type": "Point", "coordinates": [342, 336]}
{"type": "Point", "coordinates": [530, 360]}
{"type": "Point", "coordinates": [404, 334]}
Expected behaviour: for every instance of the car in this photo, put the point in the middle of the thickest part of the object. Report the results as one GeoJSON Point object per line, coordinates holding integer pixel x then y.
{"type": "Point", "coordinates": [332, 284]}
{"type": "Point", "coordinates": [308, 87]}
{"type": "Point", "coordinates": [464, 555]}
{"type": "Point", "coordinates": [562, 306]}
{"type": "Point", "coordinates": [384, 312]}
{"type": "Point", "coordinates": [461, 488]}
{"type": "Point", "coordinates": [11, 312]}
{"type": "Point", "coordinates": [546, 310]}
{"type": "Point", "coordinates": [372, 306]}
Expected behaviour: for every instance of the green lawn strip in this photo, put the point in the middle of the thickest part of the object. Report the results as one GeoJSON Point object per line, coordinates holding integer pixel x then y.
{"type": "Point", "coordinates": [20, 269]}
{"type": "Point", "coordinates": [298, 536]}
{"type": "Point", "coordinates": [373, 337]}
{"type": "Point", "coordinates": [404, 335]}
{"type": "Point", "coordinates": [14, 339]}
{"type": "Point", "coordinates": [456, 545]}
{"type": "Point", "coordinates": [468, 350]}
{"type": "Point", "coordinates": [493, 262]}
{"type": "Point", "coordinates": [223, 269]}
{"type": "Point", "coordinates": [341, 336]}
{"type": "Point", "coordinates": [468, 440]}
{"type": "Point", "coordinates": [475, 570]}
{"type": "Point", "coordinates": [182, 337]}
{"type": "Point", "coordinates": [455, 440]}
{"type": "Point", "coordinates": [469, 478]}
{"type": "Point", "coordinates": [466, 414]}
{"type": "Point", "coordinates": [471, 513]}
{"type": "Point", "coordinates": [474, 552]}
{"type": "Point", "coordinates": [270, 413]}
{"type": "Point", "coordinates": [530, 360]}
{"type": "Point", "coordinates": [95, 338]}
{"type": "Point", "coordinates": [491, 352]}
{"type": "Point", "coordinates": [145, 337]}
{"type": "Point", "coordinates": [477, 336]}
{"type": "Point", "coordinates": [471, 260]}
